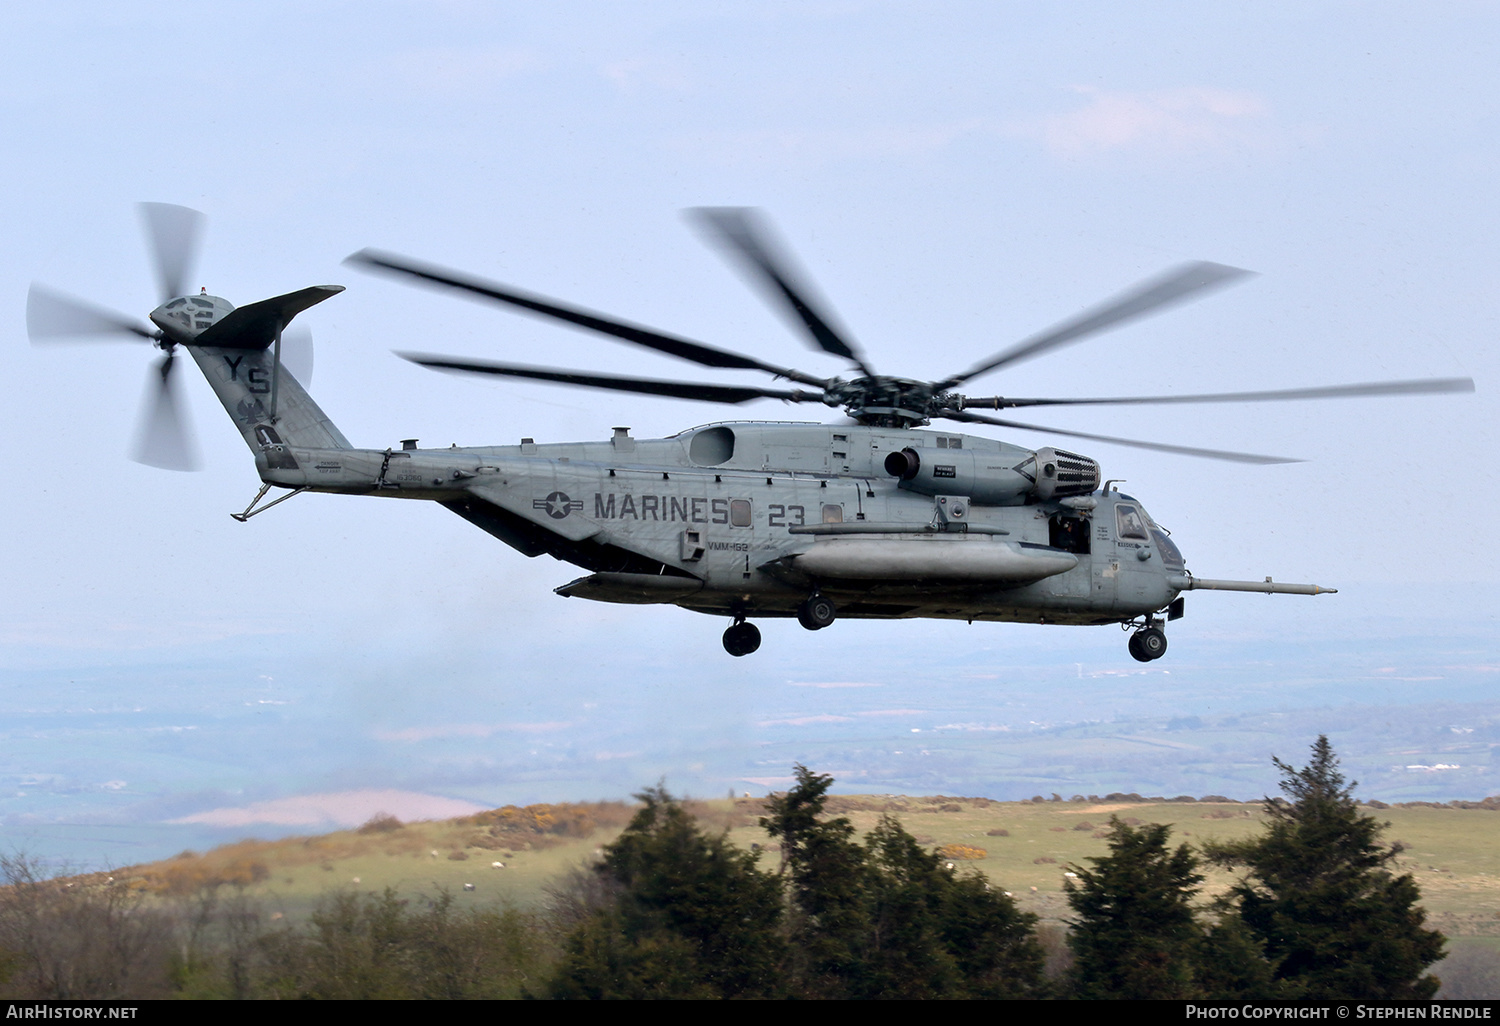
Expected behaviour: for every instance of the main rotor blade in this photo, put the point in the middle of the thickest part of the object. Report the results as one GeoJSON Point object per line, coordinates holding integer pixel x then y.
{"type": "Point", "coordinates": [697, 352]}
{"type": "Point", "coordinates": [174, 234]}
{"type": "Point", "coordinates": [1147, 297]}
{"type": "Point", "coordinates": [297, 354]}
{"type": "Point", "coordinates": [646, 386]}
{"type": "Point", "coordinates": [1180, 450]}
{"type": "Point", "coordinates": [162, 439]}
{"type": "Point", "coordinates": [736, 228]}
{"type": "Point", "coordinates": [53, 315]}
{"type": "Point", "coordinates": [1425, 386]}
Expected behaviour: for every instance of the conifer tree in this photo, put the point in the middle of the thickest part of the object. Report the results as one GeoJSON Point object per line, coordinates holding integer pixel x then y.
{"type": "Point", "coordinates": [992, 942]}
{"type": "Point", "coordinates": [890, 918]}
{"type": "Point", "coordinates": [826, 872]}
{"type": "Point", "coordinates": [1232, 965]}
{"type": "Point", "coordinates": [907, 957]}
{"type": "Point", "coordinates": [1134, 933]}
{"type": "Point", "coordinates": [1320, 894]}
{"type": "Point", "coordinates": [691, 916]}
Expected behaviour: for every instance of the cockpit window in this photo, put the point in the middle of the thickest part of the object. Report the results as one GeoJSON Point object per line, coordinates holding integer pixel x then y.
{"type": "Point", "coordinates": [1130, 523]}
{"type": "Point", "coordinates": [1171, 555]}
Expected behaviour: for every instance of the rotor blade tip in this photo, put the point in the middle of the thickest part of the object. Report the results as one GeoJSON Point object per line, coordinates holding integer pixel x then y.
{"type": "Point", "coordinates": [719, 213]}
{"type": "Point", "coordinates": [1220, 272]}
{"type": "Point", "coordinates": [187, 466]}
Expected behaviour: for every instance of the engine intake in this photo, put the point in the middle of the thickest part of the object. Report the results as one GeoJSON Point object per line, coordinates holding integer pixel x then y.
{"type": "Point", "coordinates": [1058, 473]}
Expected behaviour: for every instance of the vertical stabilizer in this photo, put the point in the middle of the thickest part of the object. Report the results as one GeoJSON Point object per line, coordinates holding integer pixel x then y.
{"type": "Point", "coordinates": [238, 350]}
{"type": "Point", "coordinates": [243, 379]}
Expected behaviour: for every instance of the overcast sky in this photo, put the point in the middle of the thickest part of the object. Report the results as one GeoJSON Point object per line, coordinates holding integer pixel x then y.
{"type": "Point", "coordinates": [954, 176]}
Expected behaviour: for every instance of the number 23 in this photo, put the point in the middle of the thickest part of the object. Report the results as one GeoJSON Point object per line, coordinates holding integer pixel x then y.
{"type": "Point", "coordinates": [779, 513]}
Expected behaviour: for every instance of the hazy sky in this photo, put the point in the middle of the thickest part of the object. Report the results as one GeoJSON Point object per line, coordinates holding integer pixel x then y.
{"type": "Point", "coordinates": [954, 176]}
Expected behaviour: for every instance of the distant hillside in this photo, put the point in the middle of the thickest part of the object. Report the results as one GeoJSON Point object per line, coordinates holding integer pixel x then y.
{"type": "Point", "coordinates": [489, 896]}
{"type": "Point", "coordinates": [510, 854]}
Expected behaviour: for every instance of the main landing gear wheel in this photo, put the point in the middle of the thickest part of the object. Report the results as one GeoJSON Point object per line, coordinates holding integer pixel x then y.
{"type": "Point", "coordinates": [1148, 643]}
{"type": "Point", "coordinates": [741, 639]}
{"type": "Point", "coordinates": [816, 613]}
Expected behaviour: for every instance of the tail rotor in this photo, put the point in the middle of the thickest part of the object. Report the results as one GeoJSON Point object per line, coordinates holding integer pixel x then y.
{"type": "Point", "coordinates": [173, 235]}
{"type": "Point", "coordinates": [162, 439]}
{"type": "Point", "coordinates": [52, 316]}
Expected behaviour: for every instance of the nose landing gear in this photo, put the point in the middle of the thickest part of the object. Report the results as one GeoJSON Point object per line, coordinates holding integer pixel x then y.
{"type": "Point", "coordinates": [741, 637]}
{"type": "Point", "coordinates": [1148, 643]}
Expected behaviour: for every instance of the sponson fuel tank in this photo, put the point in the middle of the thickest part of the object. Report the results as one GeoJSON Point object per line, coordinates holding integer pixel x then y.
{"type": "Point", "coordinates": [955, 557]}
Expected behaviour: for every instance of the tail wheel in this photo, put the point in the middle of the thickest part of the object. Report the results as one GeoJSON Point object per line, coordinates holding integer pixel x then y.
{"type": "Point", "coordinates": [816, 613]}
{"type": "Point", "coordinates": [741, 639]}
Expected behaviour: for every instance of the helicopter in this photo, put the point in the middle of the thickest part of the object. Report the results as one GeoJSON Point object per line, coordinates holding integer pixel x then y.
{"type": "Point", "coordinates": [882, 517]}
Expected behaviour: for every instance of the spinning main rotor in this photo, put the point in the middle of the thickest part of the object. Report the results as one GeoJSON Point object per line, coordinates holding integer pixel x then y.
{"type": "Point", "coordinates": [869, 398]}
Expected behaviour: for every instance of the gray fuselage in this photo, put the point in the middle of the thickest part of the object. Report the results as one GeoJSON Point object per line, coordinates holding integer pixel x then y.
{"type": "Point", "coordinates": [747, 518]}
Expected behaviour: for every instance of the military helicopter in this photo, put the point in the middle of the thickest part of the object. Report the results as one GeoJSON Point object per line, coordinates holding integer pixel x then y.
{"type": "Point", "coordinates": [881, 517]}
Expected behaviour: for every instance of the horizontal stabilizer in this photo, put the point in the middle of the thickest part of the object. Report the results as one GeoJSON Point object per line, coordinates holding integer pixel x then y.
{"type": "Point", "coordinates": [255, 326]}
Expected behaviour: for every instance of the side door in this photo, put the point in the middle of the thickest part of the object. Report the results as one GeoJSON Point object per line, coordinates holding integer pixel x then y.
{"type": "Point", "coordinates": [1073, 532]}
{"type": "Point", "coordinates": [1136, 572]}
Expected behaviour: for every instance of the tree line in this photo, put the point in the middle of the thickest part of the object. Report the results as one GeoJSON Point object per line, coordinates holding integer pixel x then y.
{"type": "Point", "coordinates": [675, 910]}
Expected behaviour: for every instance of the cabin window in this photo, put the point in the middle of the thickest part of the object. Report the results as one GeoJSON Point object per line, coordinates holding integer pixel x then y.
{"type": "Point", "coordinates": [739, 512]}
{"type": "Point", "coordinates": [1129, 523]}
{"type": "Point", "coordinates": [833, 514]}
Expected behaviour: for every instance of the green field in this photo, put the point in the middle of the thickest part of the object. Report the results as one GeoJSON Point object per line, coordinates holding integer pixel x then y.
{"type": "Point", "coordinates": [1452, 852]}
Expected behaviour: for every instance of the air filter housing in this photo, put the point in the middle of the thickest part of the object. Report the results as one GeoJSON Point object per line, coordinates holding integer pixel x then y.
{"type": "Point", "coordinates": [1056, 473]}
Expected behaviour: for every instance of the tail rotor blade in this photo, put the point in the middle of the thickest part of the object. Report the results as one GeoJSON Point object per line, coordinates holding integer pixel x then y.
{"type": "Point", "coordinates": [52, 315]}
{"type": "Point", "coordinates": [173, 233]}
{"type": "Point", "coordinates": [162, 439]}
{"type": "Point", "coordinates": [297, 354]}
